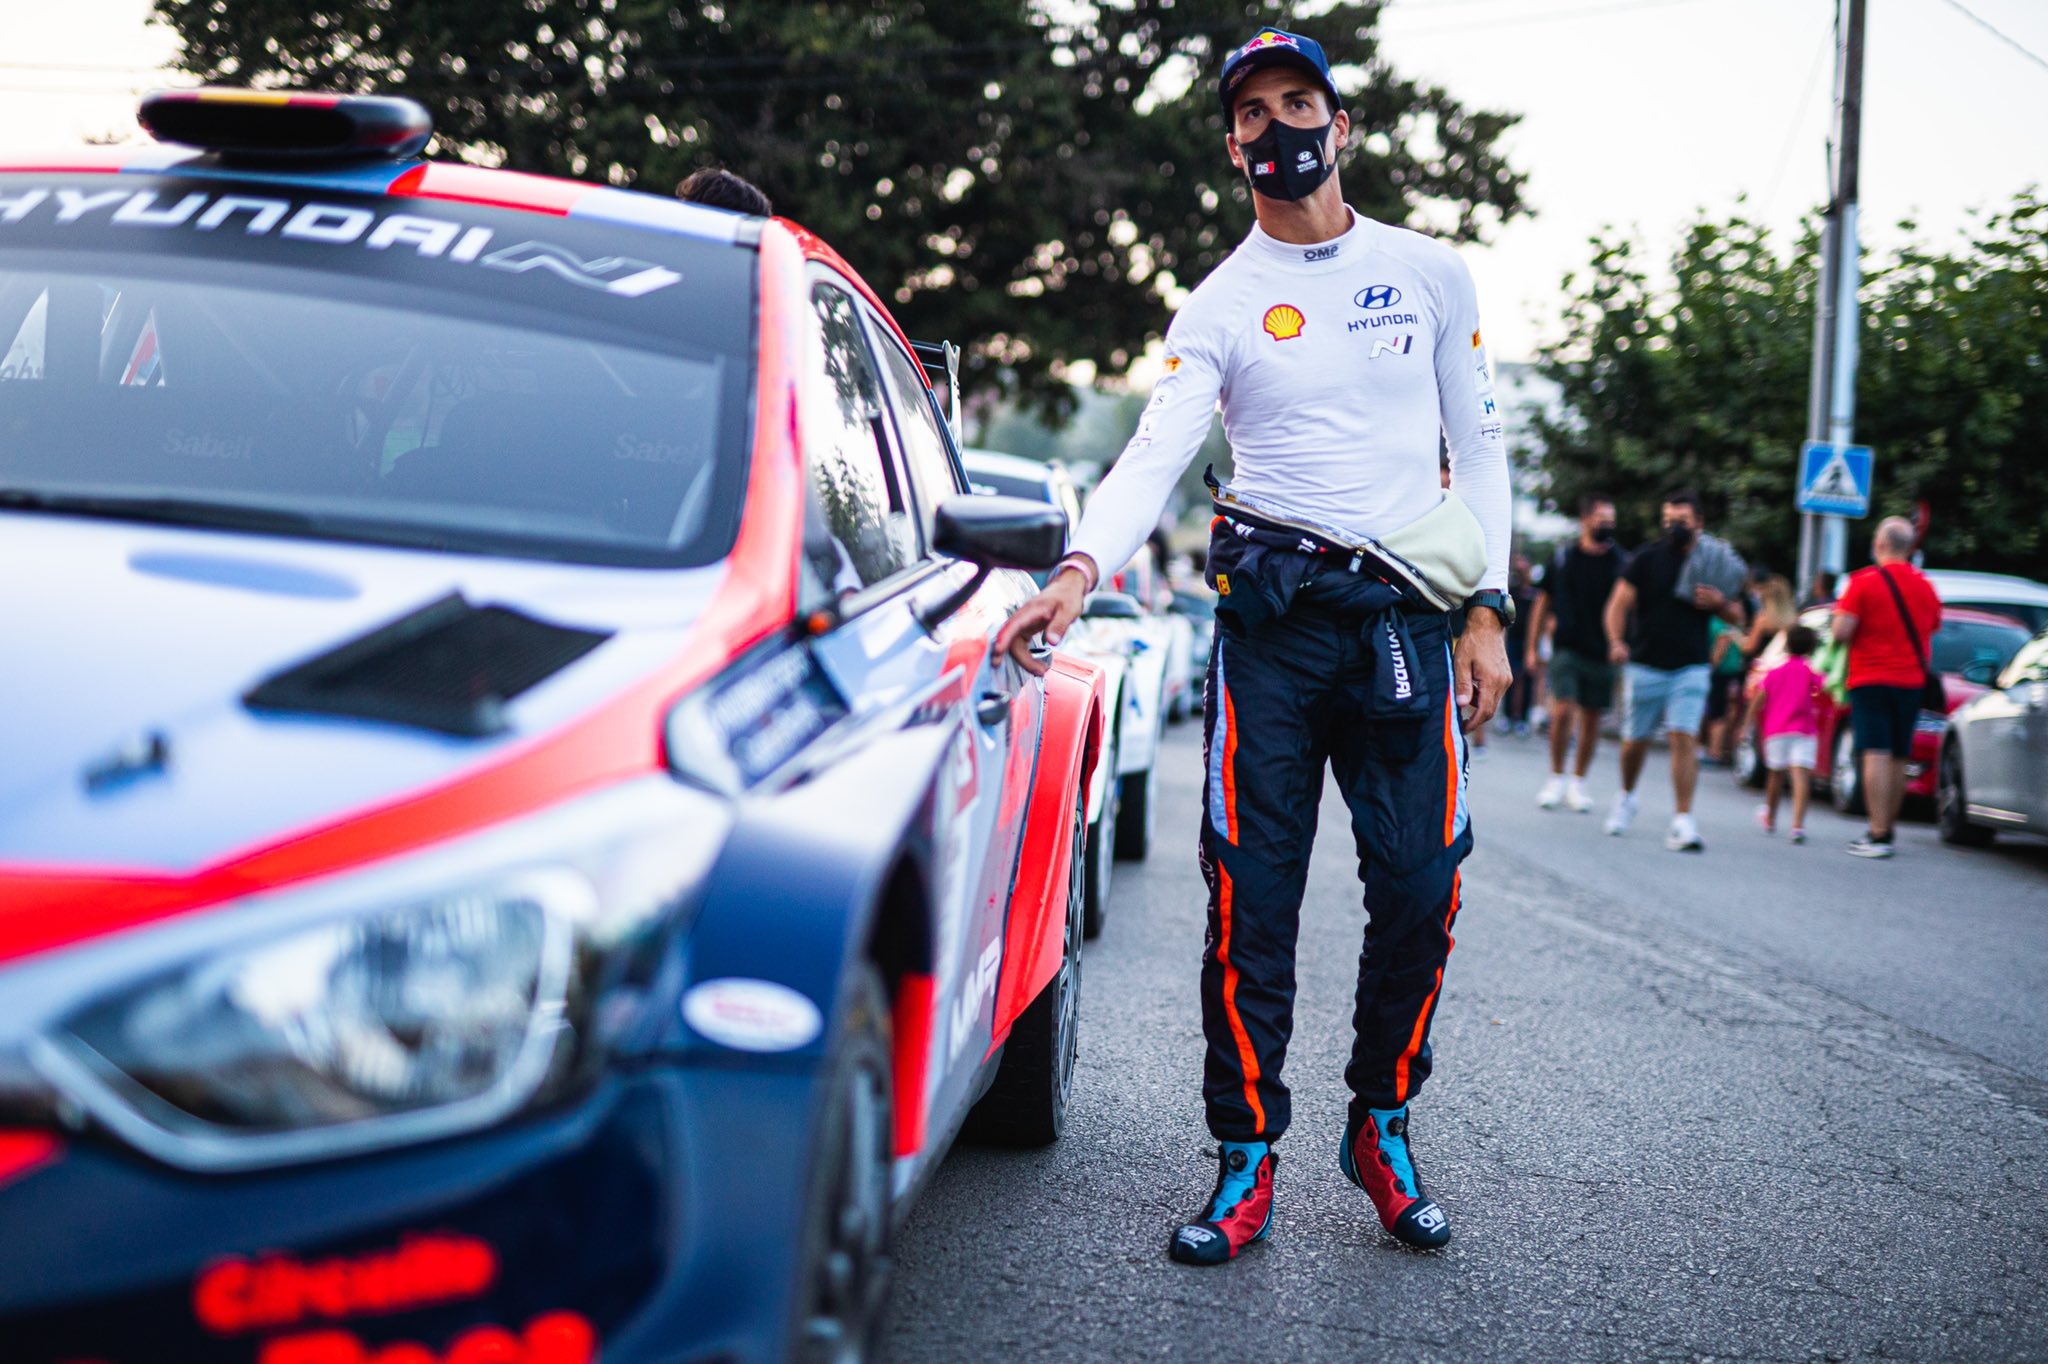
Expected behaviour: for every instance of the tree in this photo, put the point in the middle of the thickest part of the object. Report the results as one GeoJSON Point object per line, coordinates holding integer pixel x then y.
{"type": "Point", "coordinates": [1700, 380]}
{"type": "Point", "coordinates": [1034, 180]}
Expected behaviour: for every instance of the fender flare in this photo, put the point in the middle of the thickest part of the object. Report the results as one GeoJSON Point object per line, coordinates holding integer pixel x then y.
{"type": "Point", "coordinates": [1069, 745]}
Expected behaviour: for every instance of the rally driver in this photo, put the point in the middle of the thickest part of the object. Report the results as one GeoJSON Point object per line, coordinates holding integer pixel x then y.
{"type": "Point", "coordinates": [1339, 347]}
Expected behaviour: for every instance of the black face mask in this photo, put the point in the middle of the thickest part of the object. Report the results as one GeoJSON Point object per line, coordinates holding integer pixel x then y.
{"type": "Point", "coordinates": [1603, 535]}
{"type": "Point", "coordinates": [1286, 162]}
{"type": "Point", "coordinates": [1679, 535]}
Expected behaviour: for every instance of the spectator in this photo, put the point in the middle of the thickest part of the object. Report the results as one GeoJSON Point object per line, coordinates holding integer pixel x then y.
{"type": "Point", "coordinates": [1726, 665]}
{"type": "Point", "coordinates": [1788, 706]}
{"type": "Point", "coordinates": [1521, 692]}
{"type": "Point", "coordinates": [1662, 639]}
{"type": "Point", "coordinates": [716, 188]}
{"type": "Point", "coordinates": [1886, 615]}
{"type": "Point", "coordinates": [1571, 597]}
{"type": "Point", "coordinates": [1820, 591]}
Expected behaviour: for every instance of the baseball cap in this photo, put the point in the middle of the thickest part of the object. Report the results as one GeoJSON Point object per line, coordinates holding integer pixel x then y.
{"type": "Point", "coordinates": [1275, 47]}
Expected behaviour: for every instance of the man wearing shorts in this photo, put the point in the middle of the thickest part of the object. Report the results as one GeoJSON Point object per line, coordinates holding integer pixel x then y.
{"type": "Point", "coordinates": [1888, 670]}
{"type": "Point", "coordinates": [1665, 656]}
{"type": "Point", "coordinates": [1574, 594]}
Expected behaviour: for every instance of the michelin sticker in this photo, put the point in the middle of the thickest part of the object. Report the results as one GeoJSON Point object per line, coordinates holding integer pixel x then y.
{"type": "Point", "coordinates": [752, 1015]}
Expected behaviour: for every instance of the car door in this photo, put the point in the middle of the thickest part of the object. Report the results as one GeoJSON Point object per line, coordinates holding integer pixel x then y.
{"type": "Point", "coordinates": [2006, 753]}
{"type": "Point", "coordinates": [1004, 707]}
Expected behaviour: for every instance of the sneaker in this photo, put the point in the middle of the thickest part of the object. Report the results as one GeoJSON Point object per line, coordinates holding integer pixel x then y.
{"type": "Point", "coordinates": [1551, 794]}
{"type": "Point", "coordinates": [1575, 798]}
{"type": "Point", "coordinates": [1798, 834]}
{"type": "Point", "coordinates": [1683, 835]}
{"type": "Point", "coordinates": [1240, 1210]}
{"type": "Point", "coordinates": [1764, 820]}
{"type": "Point", "coordinates": [1623, 814]}
{"type": "Point", "coordinates": [1866, 846]}
{"type": "Point", "coordinates": [1376, 1158]}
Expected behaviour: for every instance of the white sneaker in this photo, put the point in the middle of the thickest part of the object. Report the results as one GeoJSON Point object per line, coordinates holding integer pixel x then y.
{"type": "Point", "coordinates": [1551, 794]}
{"type": "Point", "coordinates": [1575, 798]}
{"type": "Point", "coordinates": [1623, 814]}
{"type": "Point", "coordinates": [1683, 835]}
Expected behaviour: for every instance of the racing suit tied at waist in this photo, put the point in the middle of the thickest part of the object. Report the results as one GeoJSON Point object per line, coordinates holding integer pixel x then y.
{"type": "Point", "coordinates": [1262, 572]}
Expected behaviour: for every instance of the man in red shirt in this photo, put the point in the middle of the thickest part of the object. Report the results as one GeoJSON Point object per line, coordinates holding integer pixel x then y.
{"type": "Point", "coordinates": [1887, 615]}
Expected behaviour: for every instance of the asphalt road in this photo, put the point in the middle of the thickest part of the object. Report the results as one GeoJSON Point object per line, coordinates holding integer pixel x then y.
{"type": "Point", "coordinates": [1763, 1103]}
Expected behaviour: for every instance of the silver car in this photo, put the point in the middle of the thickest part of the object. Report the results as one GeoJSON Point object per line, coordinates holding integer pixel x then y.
{"type": "Point", "coordinates": [1994, 758]}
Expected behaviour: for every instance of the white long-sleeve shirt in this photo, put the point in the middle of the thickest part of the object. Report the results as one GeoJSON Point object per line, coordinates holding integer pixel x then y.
{"type": "Point", "coordinates": [1337, 365]}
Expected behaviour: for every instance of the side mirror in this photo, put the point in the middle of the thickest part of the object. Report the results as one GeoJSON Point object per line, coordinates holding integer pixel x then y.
{"type": "Point", "coordinates": [993, 532]}
{"type": "Point", "coordinates": [1110, 606]}
{"type": "Point", "coordinates": [1000, 532]}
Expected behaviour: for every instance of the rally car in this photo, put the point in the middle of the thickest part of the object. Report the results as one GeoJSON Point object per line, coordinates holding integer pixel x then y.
{"type": "Point", "coordinates": [513, 846]}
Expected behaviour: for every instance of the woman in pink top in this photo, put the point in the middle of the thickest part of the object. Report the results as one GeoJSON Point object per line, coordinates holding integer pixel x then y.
{"type": "Point", "coordinates": [1788, 708]}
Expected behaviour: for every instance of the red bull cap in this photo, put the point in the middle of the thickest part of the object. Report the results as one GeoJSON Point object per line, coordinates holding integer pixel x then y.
{"type": "Point", "coordinates": [1275, 47]}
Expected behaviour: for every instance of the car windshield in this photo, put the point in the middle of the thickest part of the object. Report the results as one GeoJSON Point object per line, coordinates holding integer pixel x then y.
{"type": "Point", "coordinates": [1959, 643]}
{"type": "Point", "coordinates": [517, 398]}
{"type": "Point", "coordinates": [983, 480]}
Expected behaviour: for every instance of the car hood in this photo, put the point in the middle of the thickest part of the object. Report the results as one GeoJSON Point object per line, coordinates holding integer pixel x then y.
{"type": "Point", "coordinates": [119, 637]}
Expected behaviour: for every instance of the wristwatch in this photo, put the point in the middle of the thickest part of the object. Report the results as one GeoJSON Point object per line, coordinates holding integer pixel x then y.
{"type": "Point", "coordinates": [1496, 601]}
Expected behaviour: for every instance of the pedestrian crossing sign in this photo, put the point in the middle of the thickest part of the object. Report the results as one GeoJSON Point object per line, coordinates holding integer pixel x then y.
{"type": "Point", "coordinates": [1834, 480]}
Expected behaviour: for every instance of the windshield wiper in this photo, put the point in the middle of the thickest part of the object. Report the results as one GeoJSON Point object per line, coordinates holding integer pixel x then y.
{"type": "Point", "coordinates": [170, 511]}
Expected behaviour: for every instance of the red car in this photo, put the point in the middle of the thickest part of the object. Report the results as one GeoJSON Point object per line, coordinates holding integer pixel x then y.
{"type": "Point", "coordinates": [1969, 649]}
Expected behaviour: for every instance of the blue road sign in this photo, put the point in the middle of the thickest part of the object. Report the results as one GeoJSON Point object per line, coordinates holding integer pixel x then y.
{"type": "Point", "coordinates": [1834, 480]}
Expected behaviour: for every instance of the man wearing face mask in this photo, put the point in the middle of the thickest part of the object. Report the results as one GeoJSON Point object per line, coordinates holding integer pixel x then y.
{"type": "Point", "coordinates": [1574, 594]}
{"type": "Point", "coordinates": [1666, 655]}
{"type": "Point", "coordinates": [1342, 349]}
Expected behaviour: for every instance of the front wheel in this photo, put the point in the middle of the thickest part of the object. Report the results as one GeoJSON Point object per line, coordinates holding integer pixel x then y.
{"type": "Point", "coordinates": [846, 1235]}
{"type": "Point", "coordinates": [1951, 805]}
{"type": "Point", "coordinates": [1026, 1105]}
{"type": "Point", "coordinates": [1845, 775]}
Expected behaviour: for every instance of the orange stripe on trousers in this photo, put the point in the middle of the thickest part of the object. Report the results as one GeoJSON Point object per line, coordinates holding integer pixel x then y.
{"type": "Point", "coordinates": [1414, 1047]}
{"type": "Point", "coordinates": [1247, 1059]}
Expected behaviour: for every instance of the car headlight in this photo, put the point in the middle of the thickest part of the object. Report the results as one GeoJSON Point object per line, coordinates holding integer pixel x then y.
{"type": "Point", "coordinates": [406, 1015]}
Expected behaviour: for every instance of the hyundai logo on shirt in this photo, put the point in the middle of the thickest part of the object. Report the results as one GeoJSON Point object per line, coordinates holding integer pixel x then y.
{"type": "Point", "coordinates": [1377, 296]}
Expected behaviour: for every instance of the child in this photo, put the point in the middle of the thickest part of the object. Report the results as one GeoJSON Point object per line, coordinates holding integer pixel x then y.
{"type": "Point", "coordinates": [1788, 709]}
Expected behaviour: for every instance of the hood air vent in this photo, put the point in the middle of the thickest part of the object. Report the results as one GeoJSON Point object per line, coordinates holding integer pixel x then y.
{"type": "Point", "coordinates": [448, 667]}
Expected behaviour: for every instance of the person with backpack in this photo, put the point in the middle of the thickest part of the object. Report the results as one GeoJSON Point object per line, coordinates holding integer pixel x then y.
{"type": "Point", "coordinates": [1886, 615]}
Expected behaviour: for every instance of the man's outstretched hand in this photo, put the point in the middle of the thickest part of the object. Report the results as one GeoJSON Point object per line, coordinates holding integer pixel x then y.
{"type": "Point", "coordinates": [1056, 607]}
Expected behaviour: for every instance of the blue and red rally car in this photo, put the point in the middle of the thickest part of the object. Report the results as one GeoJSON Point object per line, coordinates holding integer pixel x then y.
{"type": "Point", "coordinates": [513, 849]}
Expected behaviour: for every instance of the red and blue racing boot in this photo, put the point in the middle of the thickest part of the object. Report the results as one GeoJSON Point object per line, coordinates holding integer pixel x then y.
{"type": "Point", "coordinates": [1376, 1158]}
{"type": "Point", "coordinates": [1240, 1211]}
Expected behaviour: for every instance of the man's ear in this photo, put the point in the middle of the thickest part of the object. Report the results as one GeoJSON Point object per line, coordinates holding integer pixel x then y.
{"type": "Point", "coordinates": [1236, 152]}
{"type": "Point", "coordinates": [1343, 122]}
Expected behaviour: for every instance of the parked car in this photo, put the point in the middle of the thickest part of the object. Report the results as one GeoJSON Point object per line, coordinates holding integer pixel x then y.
{"type": "Point", "coordinates": [2003, 594]}
{"type": "Point", "coordinates": [512, 844]}
{"type": "Point", "coordinates": [1198, 604]}
{"type": "Point", "coordinates": [1993, 774]}
{"type": "Point", "coordinates": [1118, 635]}
{"type": "Point", "coordinates": [1968, 649]}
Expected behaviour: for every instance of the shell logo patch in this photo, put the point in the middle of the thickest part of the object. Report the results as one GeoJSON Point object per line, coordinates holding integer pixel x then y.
{"type": "Point", "coordinates": [1173, 364]}
{"type": "Point", "coordinates": [1284, 322]}
{"type": "Point", "coordinates": [1475, 339]}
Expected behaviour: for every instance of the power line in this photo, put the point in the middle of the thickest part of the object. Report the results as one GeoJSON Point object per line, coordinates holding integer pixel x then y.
{"type": "Point", "coordinates": [1792, 137]}
{"type": "Point", "coordinates": [2015, 44]}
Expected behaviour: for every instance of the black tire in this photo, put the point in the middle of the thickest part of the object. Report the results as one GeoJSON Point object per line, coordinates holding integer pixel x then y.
{"type": "Point", "coordinates": [1136, 813]}
{"type": "Point", "coordinates": [1952, 806]}
{"type": "Point", "coordinates": [1845, 775]}
{"type": "Point", "coordinates": [1026, 1105]}
{"type": "Point", "coordinates": [844, 1288]}
{"type": "Point", "coordinates": [1748, 762]}
{"type": "Point", "coordinates": [1101, 847]}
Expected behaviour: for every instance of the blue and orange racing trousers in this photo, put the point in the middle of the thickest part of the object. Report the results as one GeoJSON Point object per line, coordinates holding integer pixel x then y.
{"type": "Point", "coordinates": [1345, 673]}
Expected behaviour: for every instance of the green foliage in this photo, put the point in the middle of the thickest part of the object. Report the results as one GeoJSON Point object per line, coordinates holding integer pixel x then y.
{"type": "Point", "coordinates": [1008, 176]}
{"type": "Point", "coordinates": [1701, 380]}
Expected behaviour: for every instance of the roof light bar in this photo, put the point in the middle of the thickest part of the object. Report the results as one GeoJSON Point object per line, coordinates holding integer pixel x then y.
{"type": "Point", "coordinates": [288, 125]}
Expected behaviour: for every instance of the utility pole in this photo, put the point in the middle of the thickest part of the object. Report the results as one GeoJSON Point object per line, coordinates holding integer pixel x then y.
{"type": "Point", "coordinates": [1831, 397]}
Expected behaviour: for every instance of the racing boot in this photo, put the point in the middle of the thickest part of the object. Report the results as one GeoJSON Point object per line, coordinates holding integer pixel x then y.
{"type": "Point", "coordinates": [1240, 1211]}
{"type": "Point", "coordinates": [1376, 1158]}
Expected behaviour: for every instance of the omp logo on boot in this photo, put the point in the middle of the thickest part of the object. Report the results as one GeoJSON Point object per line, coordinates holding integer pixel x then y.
{"type": "Point", "coordinates": [1430, 1218]}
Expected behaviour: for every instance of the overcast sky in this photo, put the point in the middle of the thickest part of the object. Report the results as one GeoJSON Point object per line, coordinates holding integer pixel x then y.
{"type": "Point", "coordinates": [1635, 112]}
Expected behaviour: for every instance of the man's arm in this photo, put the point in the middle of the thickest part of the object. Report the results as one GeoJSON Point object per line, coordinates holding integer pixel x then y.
{"type": "Point", "coordinates": [1620, 602]}
{"type": "Point", "coordinates": [1843, 626]}
{"type": "Point", "coordinates": [1125, 506]}
{"type": "Point", "coordinates": [1539, 616]}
